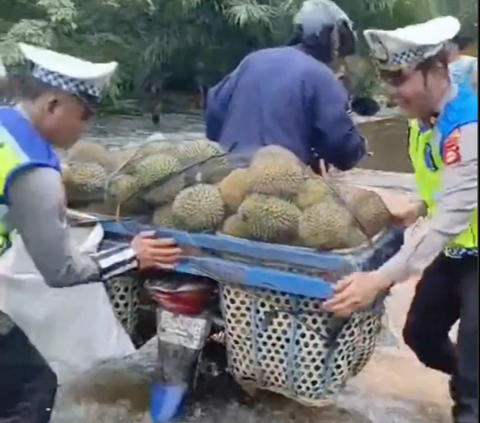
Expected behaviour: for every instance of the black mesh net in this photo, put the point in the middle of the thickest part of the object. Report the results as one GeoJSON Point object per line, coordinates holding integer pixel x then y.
{"type": "Point", "coordinates": [195, 186]}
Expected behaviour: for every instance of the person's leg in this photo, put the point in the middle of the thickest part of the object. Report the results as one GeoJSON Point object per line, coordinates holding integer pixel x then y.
{"type": "Point", "coordinates": [434, 310]}
{"type": "Point", "coordinates": [465, 381]}
{"type": "Point", "coordinates": [27, 384]}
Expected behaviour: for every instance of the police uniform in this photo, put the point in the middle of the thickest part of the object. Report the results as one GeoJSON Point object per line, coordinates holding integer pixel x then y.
{"type": "Point", "coordinates": [32, 203]}
{"type": "Point", "coordinates": [444, 248]}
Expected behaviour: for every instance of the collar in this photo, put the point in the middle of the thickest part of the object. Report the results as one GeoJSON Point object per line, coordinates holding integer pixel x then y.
{"type": "Point", "coordinates": [447, 98]}
{"type": "Point", "coordinates": [22, 111]}
{"type": "Point", "coordinates": [451, 93]}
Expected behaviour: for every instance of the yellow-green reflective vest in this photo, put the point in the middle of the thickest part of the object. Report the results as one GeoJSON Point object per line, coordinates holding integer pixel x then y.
{"type": "Point", "coordinates": [425, 155]}
{"type": "Point", "coordinates": [21, 147]}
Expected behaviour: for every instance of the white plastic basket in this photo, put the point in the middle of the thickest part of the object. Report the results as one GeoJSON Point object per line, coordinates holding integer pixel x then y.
{"type": "Point", "coordinates": [286, 344]}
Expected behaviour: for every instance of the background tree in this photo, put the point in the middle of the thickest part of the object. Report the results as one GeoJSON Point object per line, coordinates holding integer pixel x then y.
{"type": "Point", "coordinates": [182, 42]}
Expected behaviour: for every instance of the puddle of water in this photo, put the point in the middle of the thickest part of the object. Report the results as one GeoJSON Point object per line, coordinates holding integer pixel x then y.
{"type": "Point", "coordinates": [388, 141]}
{"type": "Point", "coordinates": [394, 388]}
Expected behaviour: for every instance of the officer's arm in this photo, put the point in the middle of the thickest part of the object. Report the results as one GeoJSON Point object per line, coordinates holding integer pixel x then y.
{"type": "Point", "coordinates": [35, 197]}
{"type": "Point", "coordinates": [335, 137]}
{"type": "Point", "coordinates": [459, 199]}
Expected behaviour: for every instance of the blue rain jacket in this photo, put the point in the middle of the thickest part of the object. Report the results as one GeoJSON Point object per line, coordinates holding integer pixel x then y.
{"type": "Point", "coordinates": [285, 97]}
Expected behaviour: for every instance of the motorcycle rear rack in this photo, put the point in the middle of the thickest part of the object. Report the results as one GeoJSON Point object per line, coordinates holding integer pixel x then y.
{"type": "Point", "coordinates": [293, 270]}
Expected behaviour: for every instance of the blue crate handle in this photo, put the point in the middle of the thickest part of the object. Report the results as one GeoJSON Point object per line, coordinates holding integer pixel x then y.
{"type": "Point", "coordinates": [228, 272]}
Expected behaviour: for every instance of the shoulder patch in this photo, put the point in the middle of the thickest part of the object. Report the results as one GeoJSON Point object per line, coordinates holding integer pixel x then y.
{"type": "Point", "coordinates": [451, 148]}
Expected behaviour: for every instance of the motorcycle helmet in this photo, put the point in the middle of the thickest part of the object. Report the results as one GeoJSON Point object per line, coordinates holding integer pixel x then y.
{"type": "Point", "coordinates": [324, 30]}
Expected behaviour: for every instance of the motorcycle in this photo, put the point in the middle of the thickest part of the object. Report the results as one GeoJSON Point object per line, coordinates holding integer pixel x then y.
{"type": "Point", "coordinates": [254, 291]}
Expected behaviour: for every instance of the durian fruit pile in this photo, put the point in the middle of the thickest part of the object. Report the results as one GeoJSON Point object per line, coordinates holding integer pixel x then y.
{"type": "Point", "coordinates": [191, 186]}
{"type": "Point", "coordinates": [142, 181]}
{"type": "Point", "coordinates": [278, 200]}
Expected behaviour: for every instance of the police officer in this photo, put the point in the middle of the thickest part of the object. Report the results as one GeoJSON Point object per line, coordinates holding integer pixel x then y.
{"type": "Point", "coordinates": [289, 96]}
{"type": "Point", "coordinates": [463, 66]}
{"type": "Point", "coordinates": [462, 69]}
{"type": "Point", "coordinates": [56, 101]}
{"type": "Point", "coordinates": [444, 248]}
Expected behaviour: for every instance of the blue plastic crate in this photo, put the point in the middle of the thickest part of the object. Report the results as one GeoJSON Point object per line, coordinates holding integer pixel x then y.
{"type": "Point", "coordinates": [293, 270]}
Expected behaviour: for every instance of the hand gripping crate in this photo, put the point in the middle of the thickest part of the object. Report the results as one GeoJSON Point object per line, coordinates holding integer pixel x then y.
{"type": "Point", "coordinates": [278, 337]}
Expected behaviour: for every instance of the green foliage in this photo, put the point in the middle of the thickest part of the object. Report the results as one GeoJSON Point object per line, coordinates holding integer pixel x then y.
{"type": "Point", "coordinates": [184, 42]}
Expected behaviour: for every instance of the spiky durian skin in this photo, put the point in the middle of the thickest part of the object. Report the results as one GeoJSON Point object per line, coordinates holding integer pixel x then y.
{"type": "Point", "coordinates": [325, 226]}
{"type": "Point", "coordinates": [89, 152]}
{"type": "Point", "coordinates": [313, 191]}
{"type": "Point", "coordinates": [235, 226]}
{"type": "Point", "coordinates": [159, 178]}
{"type": "Point", "coordinates": [199, 208]}
{"type": "Point", "coordinates": [368, 208]}
{"type": "Point", "coordinates": [204, 161]}
{"type": "Point", "coordinates": [276, 177]}
{"type": "Point", "coordinates": [234, 188]}
{"type": "Point", "coordinates": [270, 219]}
{"type": "Point", "coordinates": [274, 152]}
{"type": "Point", "coordinates": [84, 182]}
{"type": "Point", "coordinates": [163, 216]}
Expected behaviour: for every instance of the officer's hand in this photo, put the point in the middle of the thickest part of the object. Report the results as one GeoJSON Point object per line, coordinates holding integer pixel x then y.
{"type": "Point", "coordinates": [153, 252]}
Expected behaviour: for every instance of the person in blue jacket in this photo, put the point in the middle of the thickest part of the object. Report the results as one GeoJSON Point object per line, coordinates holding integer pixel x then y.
{"type": "Point", "coordinates": [289, 96]}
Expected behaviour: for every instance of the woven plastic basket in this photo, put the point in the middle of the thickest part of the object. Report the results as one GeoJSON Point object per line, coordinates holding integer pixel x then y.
{"type": "Point", "coordinates": [124, 294]}
{"type": "Point", "coordinates": [286, 344]}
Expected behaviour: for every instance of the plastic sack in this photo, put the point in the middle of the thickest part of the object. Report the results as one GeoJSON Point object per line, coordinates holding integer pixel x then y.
{"type": "Point", "coordinates": [71, 327]}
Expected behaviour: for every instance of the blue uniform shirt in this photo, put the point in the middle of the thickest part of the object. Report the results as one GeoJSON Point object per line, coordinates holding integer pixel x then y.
{"type": "Point", "coordinates": [285, 97]}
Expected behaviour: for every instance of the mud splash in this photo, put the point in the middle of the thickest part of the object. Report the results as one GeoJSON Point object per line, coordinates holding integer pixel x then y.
{"type": "Point", "coordinates": [393, 389]}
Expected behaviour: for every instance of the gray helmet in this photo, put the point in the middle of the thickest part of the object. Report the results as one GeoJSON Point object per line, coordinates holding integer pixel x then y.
{"type": "Point", "coordinates": [322, 25]}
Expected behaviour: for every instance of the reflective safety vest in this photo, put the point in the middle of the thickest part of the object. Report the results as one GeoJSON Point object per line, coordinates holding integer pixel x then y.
{"type": "Point", "coordinates": [425, 151]}
{"type": "Point", "coordinates": [21, 147]}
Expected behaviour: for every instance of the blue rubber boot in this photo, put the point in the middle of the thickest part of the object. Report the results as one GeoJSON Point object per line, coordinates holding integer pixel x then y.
{"type": "Point", "coordinates": [166, 402]}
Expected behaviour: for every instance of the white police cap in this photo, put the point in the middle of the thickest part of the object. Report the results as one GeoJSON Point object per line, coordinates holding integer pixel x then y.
{"type": "Point", "coordinates": [75, 76]}
{"type": "Point", "coordinates": [409, 46]}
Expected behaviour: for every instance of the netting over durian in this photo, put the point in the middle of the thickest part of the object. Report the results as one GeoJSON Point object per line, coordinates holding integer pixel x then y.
{"type": "Point", "coordinates": [195, 186]}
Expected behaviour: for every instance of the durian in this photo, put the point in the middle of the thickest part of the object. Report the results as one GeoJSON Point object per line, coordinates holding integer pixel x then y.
{"type": "Point", "coordinates": [313, 191]}
{"type": "Point", "coordinates": [368, 208]}
{"type": "Point", "coordinates": [162, 147]}
{"type": "Point", "coordinates": [84, 182]}
{"type": "Point", "coordinates": [234, 188]}
{"type": "Point", "coordinates": [270, 219]}
{"type": "Point", "coordinates": [275, 152]}
{"type": "Point", "coordinates": [327, 226]}
{"type": "Point", "coordinates": [276, 177]}
{"type": "Point", "coordinates": [199, 208]}
{"type": "Point", "coordinates": [163, 216]}
{"type": "Point", "coordinates": [103, 208]}
{"type": "Point", "coordinates": [204, 161]}
{"type": "Point", "coordinates": [122, 159]}
{"type": "Point", "coordinates": [122, 188]}
{"type": "Point", "coordinates": [235, 226]}
{"type": "Point", "coordinates": [89, 152]}
{"type": "Point", "coordinates": [123, 195]}
{"type": "Point", "coordinates": [159, 178]}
